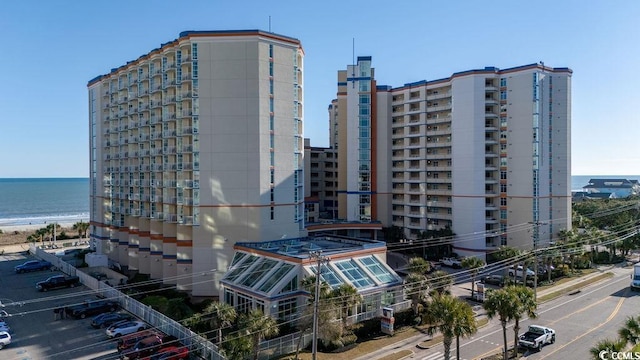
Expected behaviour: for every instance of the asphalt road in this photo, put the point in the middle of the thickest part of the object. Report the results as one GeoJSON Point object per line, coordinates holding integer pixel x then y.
{"type": "Point", "coordinates": [580, 321]}
{"type": "Point", "coordinates": [36, 334]}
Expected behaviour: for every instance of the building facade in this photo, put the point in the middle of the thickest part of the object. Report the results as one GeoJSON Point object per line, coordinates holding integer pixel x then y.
{"type": "Point", "coordinates": [196, 145]}
{"type": "Point", "coordinates": [486, 153]}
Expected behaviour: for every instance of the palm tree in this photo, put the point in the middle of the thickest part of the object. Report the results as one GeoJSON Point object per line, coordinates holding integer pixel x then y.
{"type": "Point", "coordinates": [526, 306]}
{"type": "Point", "coordinates": [346, 297]}
{"type": "Point", "coordinates": [503, 304]}
{"type": "Point", "coordinates": [474, 264]}
{"type": "Point", "coordinates": [607, 345]}
{"type": "Point", "coordinates": [237, 347]}
{"type": "Point", "coordinates": [81, 227]}
{"type": "Point", "coordinates": [258, 326]}
{"type": "Point", "coordinates": [309, 284]}
{"type": "Point", "coordinates": [41, 233]}
{"type": "Point", "coordinates": [418, 265]}
{"type": "Point", "coordinates": [451, 317]}
{"type": "Point", "coordinates": [630, 333]}
{"type": "Point", "coordinates": [416, 288]}
{"type": "Point", "coordinates": [222, 315]}
{"type": "Point", "coordinates": [465, 325]}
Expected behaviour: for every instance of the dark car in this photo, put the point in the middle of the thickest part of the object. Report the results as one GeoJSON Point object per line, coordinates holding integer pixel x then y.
{"type": "Point", "coordinates": [148, 346]}
{"type": "Point", "coordinates": [128, 341]}
{"type": "Point", "coordinates": [33, 265]}
{"type": "Point", "coordinates": [92, 308]}
{"type": "Point", "coordinates": [493, 280]}
{"type": "Point", "coordinates": [107, 319]}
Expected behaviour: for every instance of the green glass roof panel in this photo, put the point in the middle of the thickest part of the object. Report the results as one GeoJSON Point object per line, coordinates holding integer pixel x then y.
{"type": "Point", "coordinates": [378, 270]}
{"type": "Point", "coordinates": [238, 257]}
{"type": "Point", "coordinates": [328, 275]}
{"type": "Point", "coordinates": [260, 270]}
{"type": "Point", "coordinates": [240, 268]}
{"type": "Point", "coordinates": [280, 273]}
{"type": "Point", "coordinates": [354, 273]}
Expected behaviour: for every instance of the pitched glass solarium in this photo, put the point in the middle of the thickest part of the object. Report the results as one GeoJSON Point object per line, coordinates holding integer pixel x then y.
{"type": "Point", "coordinates": [258, 273]}
{"type": "Point", "coordinates": [377, 269]}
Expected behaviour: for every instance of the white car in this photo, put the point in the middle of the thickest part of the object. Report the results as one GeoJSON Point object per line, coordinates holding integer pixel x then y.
{"type": "Point", "coordinates": [5, 339]}
{"type": "Point", "coordinates": [125, 328]}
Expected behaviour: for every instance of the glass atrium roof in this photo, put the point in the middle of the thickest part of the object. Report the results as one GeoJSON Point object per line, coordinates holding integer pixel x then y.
{"type": "Point", "coordinates": [270, 274]}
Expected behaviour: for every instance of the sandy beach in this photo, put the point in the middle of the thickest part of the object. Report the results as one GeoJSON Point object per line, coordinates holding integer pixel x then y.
{"type": "Point", "coordinates": [18, 234]}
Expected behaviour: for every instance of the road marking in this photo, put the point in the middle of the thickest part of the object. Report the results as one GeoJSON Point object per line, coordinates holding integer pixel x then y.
{"type": "Point", "coordinates": [439, 356]}
{"type": "Point", "coordinates": [611, 316]}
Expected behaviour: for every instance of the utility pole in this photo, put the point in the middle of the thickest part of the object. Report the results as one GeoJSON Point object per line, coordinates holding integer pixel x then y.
{"type": "Point", "coordinates": [320, 260]}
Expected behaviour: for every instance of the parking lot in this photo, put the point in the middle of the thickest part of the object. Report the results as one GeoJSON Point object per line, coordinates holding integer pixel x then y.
{"type": "Point", "coordinates": [37, 333]}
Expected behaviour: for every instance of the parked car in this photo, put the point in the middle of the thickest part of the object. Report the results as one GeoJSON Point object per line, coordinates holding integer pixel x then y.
{"type": "Point", "coordinates": [33, 265]}
{"type": "Point", "coordinates": [108, 319]}
{"type": "Point", "coordinates": [91, 308]}
{"type": "Point", "coordinates": [170, 353]}
{"type": "Point", "coordinates": [518, 271]}
{"type": "Point", "coordinates": [125, 328]}
{"type": "Point", "coordinates": [451, 262]}
{"type": "Point", "coordinates": [128, 341]}
{"type": "Point", "coordinates": [57, 282]}
{"type": "Point", "coordinates": [537, 336]}
{"type": "Point", "coordinates": [5, 339]}
{"type": "Point", "coordinates": [493, 280]}
{"type": "Point", "coordinates": [148, 346]}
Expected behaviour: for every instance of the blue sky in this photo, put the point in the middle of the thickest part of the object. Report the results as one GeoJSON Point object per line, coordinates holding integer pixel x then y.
{"type": "Point", "coordinates": [52, 48]}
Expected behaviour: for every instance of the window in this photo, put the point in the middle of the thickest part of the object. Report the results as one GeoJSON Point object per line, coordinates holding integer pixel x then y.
{"type": "Point", "coordinates": [503, 82]}
{"type": "Point", "coordinates": [276, 277]}
{"type": "Point", "coordinates": [327, 275]}
{"type": "Point", "coordinates": [287, 308]}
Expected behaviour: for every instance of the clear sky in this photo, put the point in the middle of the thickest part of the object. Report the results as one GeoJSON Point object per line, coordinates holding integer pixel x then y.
{"type": "Point", "coordinates": [52, 48]}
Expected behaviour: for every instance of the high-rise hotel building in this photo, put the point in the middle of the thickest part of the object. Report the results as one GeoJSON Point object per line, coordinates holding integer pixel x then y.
{"type": "Point", "coordinates": [485, 152]}
{"type": "Point", "coordinates": [195, 146]}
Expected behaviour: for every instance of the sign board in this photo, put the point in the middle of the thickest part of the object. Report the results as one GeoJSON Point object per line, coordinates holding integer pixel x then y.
{"type": "Point", "coordinates": [386, 321]}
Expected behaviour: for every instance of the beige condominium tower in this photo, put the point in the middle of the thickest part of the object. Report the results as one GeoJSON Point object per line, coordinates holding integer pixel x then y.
{"type": "Point", "coordinates": [485, 153]}
{"type": "Point", "coordinates": [197, 145]}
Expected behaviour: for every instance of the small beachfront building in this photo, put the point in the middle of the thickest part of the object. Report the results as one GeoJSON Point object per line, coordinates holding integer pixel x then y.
{"type": "Point", "coordinates": [268, 275]}
{"type": "Point", "coordinates": [620, 188]}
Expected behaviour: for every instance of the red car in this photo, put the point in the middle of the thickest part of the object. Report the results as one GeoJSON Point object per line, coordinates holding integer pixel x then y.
{"type": "Point", "coordinates": [171, 353]}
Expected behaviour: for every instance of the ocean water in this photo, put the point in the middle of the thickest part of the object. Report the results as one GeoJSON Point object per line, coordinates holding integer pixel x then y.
{"type": "Point", "coordinates": [39, 200]}
{"type": "Point", "coordinates": [66, 200]}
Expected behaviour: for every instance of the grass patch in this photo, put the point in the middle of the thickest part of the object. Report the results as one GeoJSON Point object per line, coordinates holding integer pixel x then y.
{"type": "Point", "coordinates": [397, 355]}
{"type": "Point", "coordinates": [571, 288]}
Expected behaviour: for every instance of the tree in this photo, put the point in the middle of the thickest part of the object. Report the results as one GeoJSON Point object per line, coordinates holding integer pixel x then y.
{"type": "Point", "coordinates": [630, 333]}
{"type": "Point", "coordinates": [607, 345]}
{"type": "Point", "coordinates": [451, 317]}
{"type": "Point", "coordinates": [504, 253]}
{"type": "Point", "coordinates": [419, 265]}
{"type": "Point", "coordinates": [416, 287]}
{"type": "Point", "coordinates": [465, 325]}
{"type": "Point", "coordinates": [237, 347]}
{"type": "Point", "coordinates": [474, 264]}
{"type": "Point", "coordinates": [81, 227]}
{"type": "Point", "coordinates": [258, 326]}
{"type": "Point", "coordinates": [222, 315]}
{"type": "Point", "coordinates": [502, 304]}
{"type": "Point", "coordinates": [525, 306]}
{"type": "Point", "coordinates": [440, 281]}
{"type": "Point", "coordinates": [345, 296]}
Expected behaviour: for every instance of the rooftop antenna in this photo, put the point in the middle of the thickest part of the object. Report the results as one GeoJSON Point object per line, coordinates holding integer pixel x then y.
{"type": "Point", "coordinates": [353, 50]}
{"type": "Point", "coordinates": [269, 23]}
